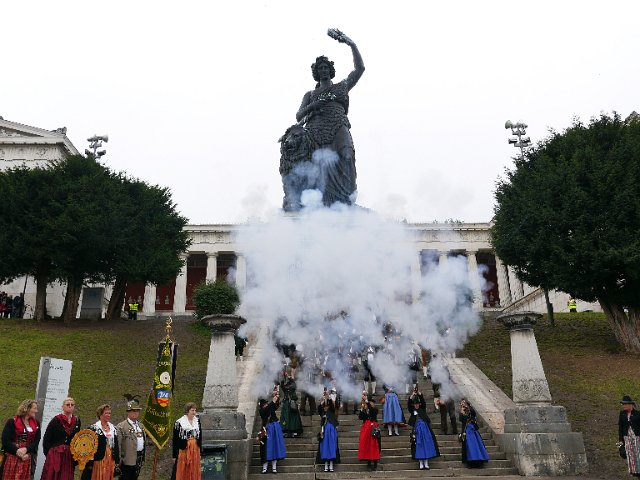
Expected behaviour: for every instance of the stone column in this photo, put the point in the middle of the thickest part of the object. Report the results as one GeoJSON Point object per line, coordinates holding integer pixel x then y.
{"type": "Point", "coordinates": [503, 283]}
{"type": "Point", "coordinates": [212, 266]}
{"type": "Point", "coordinates": [416, 275]}
{"type": "Point", "coordinates": [241, 271]}
{"type": "Point", "coordinates": [517, 289]}
{"type": "Point", "coordinates": [474, 275]}
{"type": "Point", "coordinates": [180, 295]}
{"type": "Point", "coordinates": [537, 435]}
{"type": "Point", "coordinates": [149, 303]}
{"type": "Point", "coordinates": [442, 258]}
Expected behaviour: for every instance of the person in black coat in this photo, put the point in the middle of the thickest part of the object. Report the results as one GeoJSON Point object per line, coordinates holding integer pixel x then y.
{"type": "Point", "coordinates": [423, 441]}
{"type": "Point", "coordinates": [369, 444]}
{"type": "Point", "coordinates": [629, 434]}
{"type": "Point", "coordinates": [328, 448]}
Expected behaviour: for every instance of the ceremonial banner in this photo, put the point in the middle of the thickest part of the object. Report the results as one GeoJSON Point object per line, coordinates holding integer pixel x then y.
{"type": "Point", "coordinates": [157, 416]}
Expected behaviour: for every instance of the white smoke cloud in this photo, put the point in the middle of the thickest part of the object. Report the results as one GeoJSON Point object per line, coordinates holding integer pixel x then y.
{"type": "Point", "coordinates": [328, 279]}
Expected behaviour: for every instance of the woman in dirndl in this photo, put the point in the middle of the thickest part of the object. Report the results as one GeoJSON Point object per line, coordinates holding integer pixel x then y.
{"type": "Point", "coordinates": [474, 453]}
{"type": "Point", "coordinates": [272, 447]}
{"type": "Point", "coordinates": [423, 442]}
{"type": "Point", "coordinates": [187, 443]}
{"type": "Point", "coordinates": [58, 463]}
{"type": "Point", "coordinates": [369, 444]}
{"type": "Point", "coordinates": [103, 465]}
{"type": "Point", "coordinates": [328, 449]}
{"type": "Point", "coordinates": [20, 439]}
{"type": "Point", "coordinates": [629, 434]}
{"type": "Point", "coordinates": [392, 413]}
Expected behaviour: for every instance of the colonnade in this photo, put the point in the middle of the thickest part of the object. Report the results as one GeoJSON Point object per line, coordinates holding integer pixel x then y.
{"type": "Point", "coordinates": [509, 287]}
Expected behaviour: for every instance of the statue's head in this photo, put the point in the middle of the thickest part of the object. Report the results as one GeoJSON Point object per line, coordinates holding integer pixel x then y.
{"type": "Point", "coordinates": [322, 60]}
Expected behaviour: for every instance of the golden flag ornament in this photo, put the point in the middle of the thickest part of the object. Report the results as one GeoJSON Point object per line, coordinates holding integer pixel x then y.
{"type": "Point", "coordinates": [84, 446]}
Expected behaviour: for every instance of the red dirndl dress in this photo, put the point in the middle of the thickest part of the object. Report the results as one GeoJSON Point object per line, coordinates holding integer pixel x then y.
{"type": "Point", "coordinates": [368, 445]}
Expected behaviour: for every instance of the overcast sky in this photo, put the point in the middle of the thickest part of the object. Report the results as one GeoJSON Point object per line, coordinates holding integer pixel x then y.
{"type": "Point", "coordinates": [194, 95]}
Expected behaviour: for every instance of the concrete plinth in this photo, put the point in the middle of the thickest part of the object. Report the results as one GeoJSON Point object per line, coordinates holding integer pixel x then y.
{"type": "Point", "coordinates": [229, 430]}
{"type": "Point", "coordinates": [221, 421]}
{"type": "Point", "coordinates": [537, 436]}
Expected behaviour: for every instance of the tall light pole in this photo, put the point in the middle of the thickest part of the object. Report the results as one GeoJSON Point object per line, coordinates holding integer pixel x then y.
{"type": "Point", "coordinates": [518, 140]}
{"type": "Point", "coordinates": [95, 143]}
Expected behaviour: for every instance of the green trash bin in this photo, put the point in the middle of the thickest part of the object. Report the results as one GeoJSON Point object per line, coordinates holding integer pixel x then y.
{"type": "Point", "coordinates": [213, 462]}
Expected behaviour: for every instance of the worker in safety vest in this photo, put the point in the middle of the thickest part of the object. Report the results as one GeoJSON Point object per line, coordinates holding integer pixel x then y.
{"type": "Point", "coordinates": [133, 310]}
{"type": "Point", "coordinates": [573, 305]}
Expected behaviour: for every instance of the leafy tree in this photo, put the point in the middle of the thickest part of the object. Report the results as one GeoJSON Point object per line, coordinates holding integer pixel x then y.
{"type": "Point", "coordinates": [217, 297]}
{"type": "Point", "coordinates": [88, 198]}
{"type": "Point", "coordinates": [25, 242]}
{"type": "Point", "coordinates": [568, 218]}
{"type": "Point", "coordinates": [78, 221]}
{"type": "Point", "coordinates": [151, 237]}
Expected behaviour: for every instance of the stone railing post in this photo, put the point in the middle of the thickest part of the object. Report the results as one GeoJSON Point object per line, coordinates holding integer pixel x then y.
{"type": "Point", "coordinates": [537, 435]}
{"type": "Point", "coordinates": [221, 421]}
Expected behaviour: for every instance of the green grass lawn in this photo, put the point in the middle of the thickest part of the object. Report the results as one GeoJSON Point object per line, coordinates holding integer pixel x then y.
{"type": "Point", "coordinates": [587, 373]}
{"type": "Point", "coordinates": [109, 359]}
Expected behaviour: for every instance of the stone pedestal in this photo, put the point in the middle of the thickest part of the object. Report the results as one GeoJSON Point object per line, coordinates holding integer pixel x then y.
{"type": "Point", "coordinates": [221, 421]}
{"type": "Point", "coordinates": [537, 436]}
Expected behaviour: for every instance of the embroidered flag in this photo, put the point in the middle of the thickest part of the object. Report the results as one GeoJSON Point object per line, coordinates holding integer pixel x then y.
{"type": "Point", "coordinates": [157, 415]}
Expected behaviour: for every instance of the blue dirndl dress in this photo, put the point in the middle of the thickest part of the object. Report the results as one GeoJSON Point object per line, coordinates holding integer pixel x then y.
{"type": "Point", "coordinates": [329, 443]}
{"type": "Point", "coordinates": [425, 447]}
{"type": "Point", "coordinates": [474, 451]}
{"type": "Point", "coordinates": [392, 412]}
{"type": "Point", "coordinates": [275, 448]}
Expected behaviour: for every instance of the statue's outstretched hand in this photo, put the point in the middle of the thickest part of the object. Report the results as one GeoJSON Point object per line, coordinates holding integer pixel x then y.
{"type": "Point", "coordinates": [339, 36]}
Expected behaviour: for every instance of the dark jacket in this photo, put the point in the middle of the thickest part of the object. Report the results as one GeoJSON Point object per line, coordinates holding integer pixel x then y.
{"type": "Point", "coordinates": [418, 404]}
{"type": "Point", "coordinates": [370, 413]}
{"type": "Point", "coordinates": [624, 423]}
{"type": "Point", "coordinates": [9, 437]}
{"type": "Point", "coordinates": [102, 450]}
{"type": "Point", "coordinates": [56, 434]}
{"type": "Point", "coordinates": [268, 413]}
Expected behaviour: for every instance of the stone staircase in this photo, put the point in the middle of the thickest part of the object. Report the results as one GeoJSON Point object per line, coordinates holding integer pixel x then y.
{"type": "Point", "coordinates": [395, 463]}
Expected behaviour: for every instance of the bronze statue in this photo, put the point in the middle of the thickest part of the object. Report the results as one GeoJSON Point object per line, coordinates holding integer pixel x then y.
{"type": "Point", "coordinates": [318, 152]}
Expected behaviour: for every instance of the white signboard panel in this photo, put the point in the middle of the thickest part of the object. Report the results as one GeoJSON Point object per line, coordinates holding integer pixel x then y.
{"type": "Point", "coordinates": [54, 376]}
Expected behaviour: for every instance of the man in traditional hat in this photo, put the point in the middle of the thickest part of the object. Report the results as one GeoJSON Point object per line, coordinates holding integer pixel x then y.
{"type": "Point", "coordinates": [131, 441]}
{"type": "Point", "coordinates": [629, 434]}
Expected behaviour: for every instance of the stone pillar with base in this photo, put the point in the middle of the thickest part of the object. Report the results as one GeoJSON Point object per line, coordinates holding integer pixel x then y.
{"type": "Point", "coordinates": [149, 303]}
{"type": "Point", "coordinates": [221, 421]}
{"type": "Point", "coordinates": [537, 436]}
{"type": "Point", "coordinates": [504, 290]}
{"type": "Point", "coordinates": [180, 294]}
{"type": "Point", "coordinates": [212, 266]}
{"type": "Point", "coordinates": [474, 276]}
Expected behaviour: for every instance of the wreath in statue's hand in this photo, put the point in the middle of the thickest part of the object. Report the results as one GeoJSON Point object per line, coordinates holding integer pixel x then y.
{"type": "Point", "coordinates": [339, 36]}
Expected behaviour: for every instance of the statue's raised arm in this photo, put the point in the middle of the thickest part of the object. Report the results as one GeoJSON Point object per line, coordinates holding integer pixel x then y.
{"type": "Point", "coordinates": [358, 64]}
{"type": "Point", "coordinates": [321, 154]}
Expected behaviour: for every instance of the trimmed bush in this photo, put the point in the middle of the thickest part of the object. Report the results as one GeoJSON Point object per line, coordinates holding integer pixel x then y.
{"type": "Point", "coordinates": [215, 298]}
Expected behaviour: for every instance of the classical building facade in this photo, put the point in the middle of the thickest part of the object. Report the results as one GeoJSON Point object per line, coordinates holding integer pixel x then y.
{"type": "Point", "coordinates": [22, 145]}
{"type": "Point", "coordinates": [213, 253]}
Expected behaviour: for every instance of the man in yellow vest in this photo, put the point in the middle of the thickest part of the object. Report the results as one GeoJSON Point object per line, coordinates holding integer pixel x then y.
{"type": "Point", "coordinates": [573, 305]}
{"type": "Point", "coordinates": [133, 310]}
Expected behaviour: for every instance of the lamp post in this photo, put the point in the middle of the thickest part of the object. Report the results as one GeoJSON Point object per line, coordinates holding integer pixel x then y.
{"type": "Point", "coordinates": [518, 140]}
{"type": "Point", "coordinates": [95, 143]}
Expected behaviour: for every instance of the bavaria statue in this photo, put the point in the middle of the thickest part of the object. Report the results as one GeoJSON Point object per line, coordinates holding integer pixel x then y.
{"type": "Point", "coordinates": [318, 152]}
